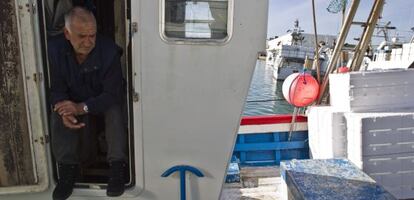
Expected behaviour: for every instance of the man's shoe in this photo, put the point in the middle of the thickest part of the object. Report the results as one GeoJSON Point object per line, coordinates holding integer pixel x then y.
{"type": "Point", "coordinates": [116, 182]}
{"type": "Point", "coordinates": [67, 177]}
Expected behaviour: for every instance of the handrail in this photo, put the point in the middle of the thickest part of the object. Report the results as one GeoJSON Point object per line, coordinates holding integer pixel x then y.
{"type": "Point", "coordinates": [271, 119]}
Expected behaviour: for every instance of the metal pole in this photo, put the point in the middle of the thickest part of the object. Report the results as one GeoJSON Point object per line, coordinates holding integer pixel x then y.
{"type": "Point", "coordinates": [341, 59]}
{"type": "Point", "coordinates": [293, 122]}
{"type": "Point", "coordinates": [367, 35]}
{"type": "Point", "coordinates": [316, 62]}
{"type": "Point", "coordinates": [338, 47]}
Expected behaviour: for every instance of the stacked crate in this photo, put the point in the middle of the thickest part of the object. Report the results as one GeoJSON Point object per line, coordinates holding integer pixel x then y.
{"type": "Point", "coordinates": [382, 144]}
{"type": "Point", "coordinates": [378, 113]}
{"type": "Point", "coordinates": [327, 133]}
{"type": "Point", "coordinates": [376, 91]}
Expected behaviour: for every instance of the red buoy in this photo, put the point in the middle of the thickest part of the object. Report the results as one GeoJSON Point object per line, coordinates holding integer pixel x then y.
{"type": "Point", "coordinates": [343, 69]}
{"type": "Point", "coordinates": [300, 89]}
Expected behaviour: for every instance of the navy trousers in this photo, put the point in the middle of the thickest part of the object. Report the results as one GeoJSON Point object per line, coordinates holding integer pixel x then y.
{"type": "Point", "coordinates": [80, 146]}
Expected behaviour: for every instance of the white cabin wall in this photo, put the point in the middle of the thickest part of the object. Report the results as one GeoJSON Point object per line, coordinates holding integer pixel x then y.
{"type": "Point", "coordinates": [192, 99]}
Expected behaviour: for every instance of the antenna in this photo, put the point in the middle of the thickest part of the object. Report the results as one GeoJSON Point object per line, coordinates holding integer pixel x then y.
{"type": "Point", "coordinates": [296, 33]}
{"type": "Point", "coordinates": [384, 29]}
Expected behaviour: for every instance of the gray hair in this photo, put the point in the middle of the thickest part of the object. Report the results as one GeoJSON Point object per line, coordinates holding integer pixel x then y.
{"type": "Point", "coordinates": [79, 13]}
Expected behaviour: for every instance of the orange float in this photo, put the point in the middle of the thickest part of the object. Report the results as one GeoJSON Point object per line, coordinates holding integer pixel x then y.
{"type": "Point", "coordinates": [300, 89]}
{"type": "Point", "coordinates": [343, 69]}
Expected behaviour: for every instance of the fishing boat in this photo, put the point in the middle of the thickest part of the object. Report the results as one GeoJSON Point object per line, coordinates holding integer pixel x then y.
{"type": "Point", "coordinates": [392, 55]}
{"type": "Point", "coordinates": [287, 53]}
{"type": "Point", "coordinates": [188, 67]}
{"type": "Point", "coordinates": [182, 126]}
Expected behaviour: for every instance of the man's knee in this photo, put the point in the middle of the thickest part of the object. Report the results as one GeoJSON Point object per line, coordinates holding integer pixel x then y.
{"type": "Point", "coordinates": [115, 125]}
{"type": "Point", "coordinates": [114, 114]}
{"type": "Point", "coordinates": [115, 133]}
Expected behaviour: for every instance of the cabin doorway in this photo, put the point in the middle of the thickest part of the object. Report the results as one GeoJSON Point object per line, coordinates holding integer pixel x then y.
{"type": "Point", "coordinates": [112, 19]}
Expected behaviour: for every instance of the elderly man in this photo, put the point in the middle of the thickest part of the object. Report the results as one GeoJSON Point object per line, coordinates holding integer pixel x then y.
{"type": "Point", "coordinates": [86, 81]}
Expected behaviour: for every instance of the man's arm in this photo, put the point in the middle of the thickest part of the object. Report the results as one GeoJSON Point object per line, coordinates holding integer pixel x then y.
{"type": "Point", "coordinates": [58, 85]}
{"type": "Point", "coordinates": [113, 89]}
{"type": "Point", "coordinates": [59, 95]}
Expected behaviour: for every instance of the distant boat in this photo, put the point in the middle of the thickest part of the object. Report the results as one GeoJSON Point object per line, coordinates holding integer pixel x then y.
{"type": "Point", "coordinates": [392, 55]}
{"type": "Point", "coordinates": [287, 53]}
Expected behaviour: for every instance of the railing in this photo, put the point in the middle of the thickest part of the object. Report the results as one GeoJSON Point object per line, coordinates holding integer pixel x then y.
{"type": "Point", "coordinates": [263, 140]}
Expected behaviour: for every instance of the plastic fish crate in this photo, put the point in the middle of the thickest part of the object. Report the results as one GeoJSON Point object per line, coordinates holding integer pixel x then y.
{"type": "Point", "coordinates": [336, 179]}
{"type": "Point", "coordinates": [259, 149]}
{"type": "Point", "coordinates": [233, 173]}
{"type": "Point", "coordinates": [375, 91]}
{"type": "Point", "coordinates": [327, 133]}
{"type": "Point", "coordinates": [395, 172]}
{"type": "Point", "coordinates": [382, 145]}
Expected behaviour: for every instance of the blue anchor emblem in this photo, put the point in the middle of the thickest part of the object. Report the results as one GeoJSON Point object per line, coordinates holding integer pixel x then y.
{"type": "Point", "coordinates": [182, 169]}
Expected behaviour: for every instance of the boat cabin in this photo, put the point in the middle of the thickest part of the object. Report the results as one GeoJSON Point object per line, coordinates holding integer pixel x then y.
{"type": "Point", "coordinates": [187, 66]}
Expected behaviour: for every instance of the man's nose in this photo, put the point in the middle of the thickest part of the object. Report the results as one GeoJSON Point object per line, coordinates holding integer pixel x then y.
{"type": "Point", "coordinates": [88, 42]}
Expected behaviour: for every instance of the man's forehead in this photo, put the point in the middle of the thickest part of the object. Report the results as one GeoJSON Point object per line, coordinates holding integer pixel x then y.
{"type": "Point", "coordinates": [86, 27]}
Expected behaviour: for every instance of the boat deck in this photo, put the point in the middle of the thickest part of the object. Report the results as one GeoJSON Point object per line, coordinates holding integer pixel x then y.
{"type": "Point", "coordinates": [257, 183]}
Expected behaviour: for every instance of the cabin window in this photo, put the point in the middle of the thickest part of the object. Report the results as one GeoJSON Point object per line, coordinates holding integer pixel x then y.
{"type": "Point", "coordinates": [196, 19]}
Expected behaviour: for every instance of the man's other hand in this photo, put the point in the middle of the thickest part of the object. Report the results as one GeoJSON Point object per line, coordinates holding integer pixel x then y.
{"type": "Point", "coordinates": [66, 107]}
{"type": "Point", "coordinates": [71, 122]}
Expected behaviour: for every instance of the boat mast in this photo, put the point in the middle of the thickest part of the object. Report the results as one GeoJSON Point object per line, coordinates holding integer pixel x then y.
{"type": "Point", "coordinates": [362, 45]}
{"type": "Point", "coordinates": [296, 34]}
{"type": "Point", "coordinates": [316, 61]}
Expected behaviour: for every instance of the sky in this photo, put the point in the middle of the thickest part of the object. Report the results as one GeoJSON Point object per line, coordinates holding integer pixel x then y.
{"type": "Point", "coordinates": [282, 14]}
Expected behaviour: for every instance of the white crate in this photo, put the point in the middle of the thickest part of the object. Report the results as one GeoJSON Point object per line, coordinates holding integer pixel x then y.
{"type": "Point", "coordinates": [326, 132]}
{"type": "Point", "coordinates": [382, 145]}
{"type": "Point", "coordinates": [372, 91]}
{"type": "Point", "coordinates": [377, 134]}
{"type": "Point", "coordinates": [395, 172]}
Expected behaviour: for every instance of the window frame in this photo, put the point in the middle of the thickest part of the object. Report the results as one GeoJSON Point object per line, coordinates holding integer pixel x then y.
{"type": "Point", "coordinates": [195, 41]}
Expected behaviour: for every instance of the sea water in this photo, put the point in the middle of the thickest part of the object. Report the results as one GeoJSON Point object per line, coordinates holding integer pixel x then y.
{"type": "Point", "coordinates": [265, 94]}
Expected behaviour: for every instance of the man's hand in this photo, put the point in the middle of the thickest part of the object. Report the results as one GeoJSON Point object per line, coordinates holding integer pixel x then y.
{"type": "Point", "coordinates": [66, 107]}
{"type": "Point", "coordinates": [71, 122]}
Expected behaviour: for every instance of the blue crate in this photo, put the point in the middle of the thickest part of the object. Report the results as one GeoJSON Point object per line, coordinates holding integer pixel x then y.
{"type": "Point", "coordinates": [233, 173]}
{"type": "Point", "coordinates": [260, 149]}
{"type": "Point", "coordinates": [337, 179]}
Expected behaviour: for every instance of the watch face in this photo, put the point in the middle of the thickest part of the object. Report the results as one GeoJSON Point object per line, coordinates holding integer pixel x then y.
{"type": "Point", "coordinates": [85, 108]}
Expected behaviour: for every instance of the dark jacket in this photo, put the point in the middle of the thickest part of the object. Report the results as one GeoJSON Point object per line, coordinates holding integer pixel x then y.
{"type": "Point", "coordinates": [98, 81]}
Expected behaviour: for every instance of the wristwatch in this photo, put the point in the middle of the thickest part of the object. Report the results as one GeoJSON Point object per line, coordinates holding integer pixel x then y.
{"type": "Point", "coordinates": [85, 108]}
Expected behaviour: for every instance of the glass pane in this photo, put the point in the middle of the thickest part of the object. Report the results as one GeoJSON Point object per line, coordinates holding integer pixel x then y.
{"type": "Point", "coordinates": [196, 19]}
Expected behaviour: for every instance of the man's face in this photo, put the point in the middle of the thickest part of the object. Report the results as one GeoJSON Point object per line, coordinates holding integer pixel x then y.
{"type": "Point", "coordinates": [82, 36]}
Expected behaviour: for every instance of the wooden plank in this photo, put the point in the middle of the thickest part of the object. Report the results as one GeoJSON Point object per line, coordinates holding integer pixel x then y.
{"type": "Point", "coordinates": [16, 166]}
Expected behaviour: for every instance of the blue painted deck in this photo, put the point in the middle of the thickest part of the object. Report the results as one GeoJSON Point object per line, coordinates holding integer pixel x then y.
{"type": "Point", "coordinates": [332, 179]}
{"type": "Point", "coordinates": [258, 149]}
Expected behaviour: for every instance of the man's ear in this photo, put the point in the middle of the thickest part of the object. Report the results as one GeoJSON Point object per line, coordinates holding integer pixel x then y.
{"type": "Point", "coordinates": [67, 33]}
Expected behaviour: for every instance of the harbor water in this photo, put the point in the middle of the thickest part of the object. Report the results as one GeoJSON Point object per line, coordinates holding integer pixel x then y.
{"type": "Point", "coordinates": [265, 94]}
